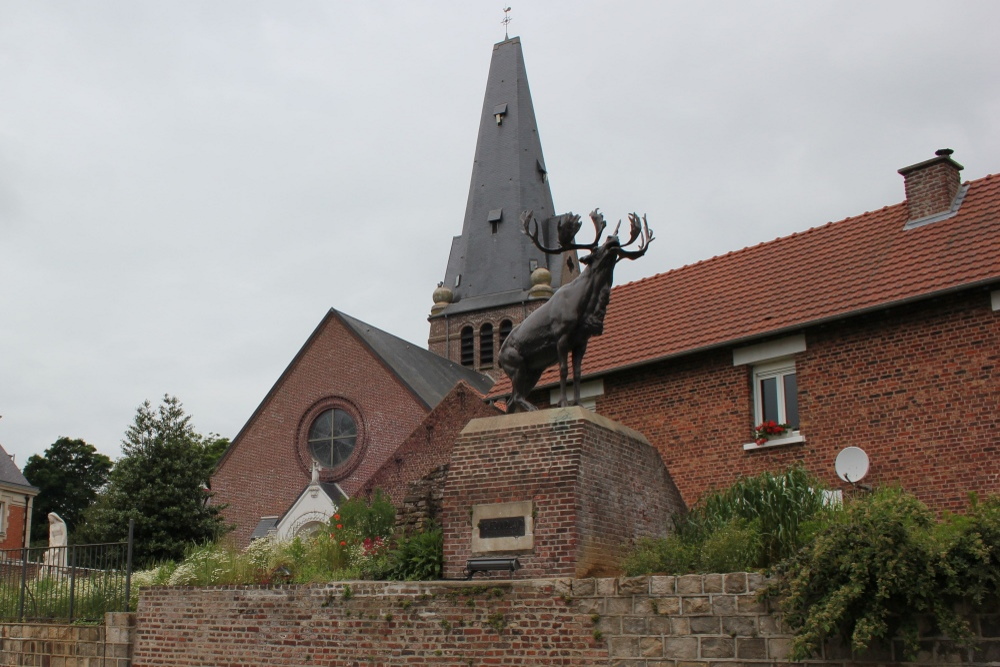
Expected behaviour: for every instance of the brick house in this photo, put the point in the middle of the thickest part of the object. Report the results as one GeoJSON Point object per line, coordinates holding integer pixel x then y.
{"type": "Point", "coordinates": [346, 402]}
{"type": "Point", "coordinates": [16, 501]}
{"type": "Point", "coordinates": [881, 331]}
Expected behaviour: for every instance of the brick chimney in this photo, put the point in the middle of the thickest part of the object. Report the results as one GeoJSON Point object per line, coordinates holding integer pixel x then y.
{"type": "Point", "coordinates": [931, 185]}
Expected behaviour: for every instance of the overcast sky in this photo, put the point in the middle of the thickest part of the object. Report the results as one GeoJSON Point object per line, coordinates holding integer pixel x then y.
{"type": "Point", "coordinates": [187, 186]}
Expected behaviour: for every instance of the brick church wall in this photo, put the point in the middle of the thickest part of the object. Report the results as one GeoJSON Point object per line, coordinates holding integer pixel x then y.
{"type": "Point", "coordinates": [262, 473]}
{"type": "Point", "coordinates": [430, 444]}
{"type": "Point", "coordinates": [917, 387]}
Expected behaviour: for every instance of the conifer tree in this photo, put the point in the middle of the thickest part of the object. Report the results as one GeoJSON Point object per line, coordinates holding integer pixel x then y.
{"type": "Point", "coordinates": [160, 482]}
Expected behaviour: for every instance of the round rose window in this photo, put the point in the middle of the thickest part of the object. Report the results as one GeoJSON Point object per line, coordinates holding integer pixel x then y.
{"type": "Point", "coordinates": [332, 437]}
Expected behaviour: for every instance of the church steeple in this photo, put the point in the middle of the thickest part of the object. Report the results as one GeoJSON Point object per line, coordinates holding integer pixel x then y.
{"type": "Point", "coordinates": [491, 264]}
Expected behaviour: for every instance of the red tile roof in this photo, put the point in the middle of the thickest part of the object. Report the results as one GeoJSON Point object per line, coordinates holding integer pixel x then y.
{"type": "Point", "coordinates": [828, 272]}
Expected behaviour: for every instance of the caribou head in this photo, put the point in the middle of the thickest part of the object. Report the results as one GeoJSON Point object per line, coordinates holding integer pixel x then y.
{"type": "Point", "coordinates": [563, 325]}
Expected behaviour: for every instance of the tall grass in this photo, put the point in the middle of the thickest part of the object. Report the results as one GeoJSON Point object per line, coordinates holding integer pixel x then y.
{"type": "Point", "coordinates": [753, 524]}
{"type": "Point", "coordinates": [355, 544]}
{"type": "Point", "coordinates": [93, 593]}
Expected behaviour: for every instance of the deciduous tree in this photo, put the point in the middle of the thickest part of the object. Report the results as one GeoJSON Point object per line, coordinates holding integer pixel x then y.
{"type": "Point", "coordinates": [68, 475]}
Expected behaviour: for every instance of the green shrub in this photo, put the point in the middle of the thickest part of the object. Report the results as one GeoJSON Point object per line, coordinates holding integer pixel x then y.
{"type": "Point", "coordinates": [318, 558]}
{"type": "Point", "coordinates": [753, 524]}
{"type": "Point", "coordinates": [650, 555]}
{"type": "Point", "coordinates": [733, 547]}
{"type": "Point", "coordinates": [970, 562]}
{"type": "Point", "coordinates": [784, 508]}
{"type": "Point", "coordinates": [93, 593]}
{"type": "Point", "coordinates": [418, 557]}
{"type": "Point", "coordinates": [881, 565]}
{"type": "Point", "coordinates": [360, 519]}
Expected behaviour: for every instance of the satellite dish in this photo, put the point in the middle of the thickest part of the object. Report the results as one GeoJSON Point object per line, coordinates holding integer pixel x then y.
{"type": "Point", "coordinates": [852, 464]}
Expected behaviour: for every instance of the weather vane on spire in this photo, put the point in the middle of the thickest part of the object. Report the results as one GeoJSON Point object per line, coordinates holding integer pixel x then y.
{"type": "Point", "coordinates": [506, 20]}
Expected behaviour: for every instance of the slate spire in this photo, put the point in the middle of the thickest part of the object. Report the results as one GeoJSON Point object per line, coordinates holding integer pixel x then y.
{"type": "Point", "coordinates": [492, 261]}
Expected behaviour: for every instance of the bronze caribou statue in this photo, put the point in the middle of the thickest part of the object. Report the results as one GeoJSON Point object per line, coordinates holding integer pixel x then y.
{"type": "Point", "coordinates": [563, 325]}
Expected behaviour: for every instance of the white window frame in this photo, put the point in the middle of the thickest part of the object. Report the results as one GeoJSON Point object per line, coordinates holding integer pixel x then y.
{"type": "Point", "coordinates": [766, 358]}
{"type": "Point", "coordinates": [773, 369]}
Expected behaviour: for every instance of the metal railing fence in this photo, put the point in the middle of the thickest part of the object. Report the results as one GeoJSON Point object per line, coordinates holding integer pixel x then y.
{"type": "Point", "coordinates": [78, 582]}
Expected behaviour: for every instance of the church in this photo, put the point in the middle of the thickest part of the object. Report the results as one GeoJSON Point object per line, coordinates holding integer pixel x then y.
{"type": "Point", "coordinates": [878, 333]}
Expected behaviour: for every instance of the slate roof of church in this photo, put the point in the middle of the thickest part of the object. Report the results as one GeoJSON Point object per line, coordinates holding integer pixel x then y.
{"type": "Point", "coordinates": [508, 177]}
{"type": "Point", "coordinates": [857, 265]}
{"type": "Point", "coordinates": [11, 475]}
{"type": "Point", "coordinates": [427, 375]}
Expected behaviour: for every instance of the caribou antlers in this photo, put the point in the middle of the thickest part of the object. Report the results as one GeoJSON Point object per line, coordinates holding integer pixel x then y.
{"type": "Point", "coordinates": [569, 224]}
{"type": "Point", "coordinates": [640, 231]}
{"type": "Point", "coordinates": [566, 228]}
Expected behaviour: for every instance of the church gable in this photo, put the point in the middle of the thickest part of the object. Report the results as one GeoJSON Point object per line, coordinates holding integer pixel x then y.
{"type": "Point", "coordinates": [335, 385]}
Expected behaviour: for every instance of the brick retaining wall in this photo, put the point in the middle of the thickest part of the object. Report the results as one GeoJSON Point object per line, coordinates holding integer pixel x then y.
{"type": "Point", "coordinates": [366, 623]}
{"type": "Point", "coordinates": [686, 621]}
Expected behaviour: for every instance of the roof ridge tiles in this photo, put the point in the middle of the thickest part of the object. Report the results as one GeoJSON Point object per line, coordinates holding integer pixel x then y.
{"type": "Point", "coordinates": [794, 234]}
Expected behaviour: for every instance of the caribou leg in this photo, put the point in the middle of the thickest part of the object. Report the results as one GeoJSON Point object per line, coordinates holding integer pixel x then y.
{"type": "Point", "coordinates": [522, 382]}
{"type": "Point", "coordinates": [577, 362]}
{"type": "Point", "coordinates": [522, 378]}
{"type": "Point", "coordinates": [562, 351]}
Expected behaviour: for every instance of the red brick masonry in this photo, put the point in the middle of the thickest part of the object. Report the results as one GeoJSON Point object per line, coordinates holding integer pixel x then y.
{"type": "Point", "coordinates": [595, 485]}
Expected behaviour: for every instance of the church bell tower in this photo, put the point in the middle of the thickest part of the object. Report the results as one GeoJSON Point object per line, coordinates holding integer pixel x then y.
{"type": "Point", "coordinates": [495, 275]}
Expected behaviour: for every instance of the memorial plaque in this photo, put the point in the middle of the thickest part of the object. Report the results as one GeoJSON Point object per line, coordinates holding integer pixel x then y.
{"type": "Point", "coordinates": [510, 526]}
{"type": "Point", "coordinates": [503, 527]}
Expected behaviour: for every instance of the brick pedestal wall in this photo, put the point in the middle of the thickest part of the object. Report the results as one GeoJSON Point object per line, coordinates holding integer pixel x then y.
{"type": "Point", "coordinates": [593, 484]}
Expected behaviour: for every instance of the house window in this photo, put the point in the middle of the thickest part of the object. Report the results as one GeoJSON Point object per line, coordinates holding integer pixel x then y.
{"type": "Point", "coordinates": [486, 345]}
{"type": "Point", "coordinates": [332, 437]}
{"type": "Point", "coordinates": [468, 347]}
{"type": "Point", "coordinates": [776, 393]}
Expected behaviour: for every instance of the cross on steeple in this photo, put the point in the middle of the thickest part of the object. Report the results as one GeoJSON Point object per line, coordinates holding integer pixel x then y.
{"type": "Point", "coordinates": [506, 19]}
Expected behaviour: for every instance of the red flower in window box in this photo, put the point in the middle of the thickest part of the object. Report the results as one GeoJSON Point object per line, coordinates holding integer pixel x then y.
{"type": "Point", "coordinates": [766, 430]}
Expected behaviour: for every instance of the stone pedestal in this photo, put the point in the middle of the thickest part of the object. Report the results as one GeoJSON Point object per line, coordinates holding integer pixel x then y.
{"type": "Point", "coordinates": [562, 489]}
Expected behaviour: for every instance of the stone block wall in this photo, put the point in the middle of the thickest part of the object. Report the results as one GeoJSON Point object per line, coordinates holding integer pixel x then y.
{"type": "Point", "coordinates": [421, 506]}
{"type": "Point", "coordinates": [717, 620]}
{"type": "Point", "coordinates": [50, 645]}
